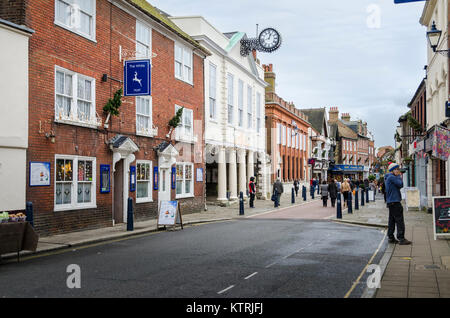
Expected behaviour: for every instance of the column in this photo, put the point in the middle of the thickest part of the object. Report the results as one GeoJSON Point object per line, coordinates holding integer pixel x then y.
{"type": "Point", "coordinates": [242, 172]}
{"type": "Point", "coordinates": [250, 165]}
{"type": "Point", "coordinates": [232, 174]}
{"type": "Point", "coordinates": [222, 176]}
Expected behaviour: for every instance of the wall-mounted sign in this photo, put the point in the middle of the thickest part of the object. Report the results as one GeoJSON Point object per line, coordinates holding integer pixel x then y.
{"type": "Point", "coordinates": [174, 177]}
{"type": "Point", "coordinates": [39, 174]}
{"type": "Point", "coordinates": [105, 179]}
{"type": "Point", "coordinates": [199, 174]}
{"type": "Point", "coordinates": [137, 78]}
{"type": "Point", "coordinates": [441, 216]}
{"type": "Point", "coordinates": [132, 178]}
{"type": "Point", "coordinates": [155, 178]}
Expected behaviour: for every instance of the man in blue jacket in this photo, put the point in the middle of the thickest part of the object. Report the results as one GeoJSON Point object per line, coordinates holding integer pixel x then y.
{"type": "Point", "coordinates": [393, 182]}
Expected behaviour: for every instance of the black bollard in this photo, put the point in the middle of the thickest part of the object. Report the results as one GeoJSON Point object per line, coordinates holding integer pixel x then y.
{"type": "Point", "coordinates": [241, 203]}
{"type": "Point", "coordinates": [367, 195]}
{"type": "Point", "coordinates": [130, 222]}
{"type": "Point", "coordinates": [29, 213]}
{"type": "Point", "coordinates": [362, 197]}
{"type": "Point", "coordinates": [293, 196]}
{"type": "Point", "coordinates": [339, 206]}
{"type": "Point", "coordinates": [357, 199]}
{"type": "Point", "coordinates": [304, 193]}
{"type": "Point", "coordinates": [349, 203]}
{"type": "Point", "coordinates": [312, 192]}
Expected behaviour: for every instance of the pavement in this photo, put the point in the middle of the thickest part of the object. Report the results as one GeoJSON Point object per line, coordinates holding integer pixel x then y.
{"type": "Point", "coordinates": [412, 271]}
{"type": "Point", "coordinates": [419, 270]}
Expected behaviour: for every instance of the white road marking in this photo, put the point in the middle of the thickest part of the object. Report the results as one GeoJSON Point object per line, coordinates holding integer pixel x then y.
{"type": "Point", "coordinates": [270, 265]}
{"type": "Point", "coordinates": [226, 289]}
{"type": "Point", "coordinates": [251, 275]}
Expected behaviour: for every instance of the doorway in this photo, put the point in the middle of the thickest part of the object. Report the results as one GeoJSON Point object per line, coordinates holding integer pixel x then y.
{"type": "Point", "coordinates": [164, 193]}
{"type": "Point", "coordinates": [118, 193]}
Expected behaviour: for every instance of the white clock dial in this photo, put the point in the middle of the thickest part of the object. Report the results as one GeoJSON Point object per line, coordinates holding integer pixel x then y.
{"type": "Point", "coordinates": [269, 38]}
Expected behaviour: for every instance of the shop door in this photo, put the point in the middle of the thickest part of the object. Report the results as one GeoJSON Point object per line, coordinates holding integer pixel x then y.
{"type": "Point", "coordinates": [118, 193]}
{"type": "Point", "coordinates": [164, 185]}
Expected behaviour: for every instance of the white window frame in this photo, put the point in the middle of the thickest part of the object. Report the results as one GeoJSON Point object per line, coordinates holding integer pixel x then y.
{"type": "Point", "coordinates": [73, 20]}
{"type": "Point", "coordinates": [249, 107]}
{"type": "Point", "coordinates": [149, 198]}
{"type": "Point", "coordinates": [72, 119]}
{"type": "Point", "coordinates": [258, 112]}
{"type": "Point", "coordinates": [278, 134]}
{"type": "Point", "coordinates": [180, 131]}
{"type": "Point", "coordinates": [212, 101]}
{"type": "Point", "coordinates": [283, 132]}
{"type": "Point", "coordinates": [241, 103]}
{"type": "Point", "coordinates": [74, 205]}
{"type": "Point", "coordinates": [183, 187]}
{"type": "Point", "coordinates": [150, 132]}
{"type": "Point", "coordinates": [141, 43]}
{"type": "Point", "coordinates": [183, 63]}
{"type": "Point", "coordinates": [288, 137]}
{"type": "Point", "coordinates": [230, 98]}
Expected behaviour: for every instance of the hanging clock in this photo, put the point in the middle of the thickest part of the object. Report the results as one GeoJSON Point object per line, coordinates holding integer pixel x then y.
{"type": "Point", "coordinates": [269, 39]}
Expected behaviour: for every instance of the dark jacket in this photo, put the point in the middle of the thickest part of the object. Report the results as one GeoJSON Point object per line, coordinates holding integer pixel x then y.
{"type": "Point", "coordinates": [393, 185]}
{"type": "Point", "coordinates": [332, 189]}
{"type": "Point", "coordinates": [278, 186]}
{"type": "Point", "coordinates": [324, 190]}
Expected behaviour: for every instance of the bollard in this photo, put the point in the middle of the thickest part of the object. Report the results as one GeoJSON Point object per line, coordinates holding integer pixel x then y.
{"type": "Point", "coordinates": [367, 195]}
{"type": "Point", "coordinates": [275, 203]}
{"type": "Point", "coordinates": [29, 213]}
{"type": "Point", "coordinates": [362, 197]}
{"type": "Point", "coordinates": [241, 203]}
{"type": "Point", "coordinates": [312, 192]}
{"type": "Point", "coordinates": [304, 193]}
{"type": "Point", "coordinates": [130, 222]}
{"type": "Point", "coordinates": [339, 206]}
{"type": "Point", "coordinates": [293, 196]}
{"type": "Point", "coordinates": [349, 202]}
{"type": "Point", "coordinates": [357, 199]}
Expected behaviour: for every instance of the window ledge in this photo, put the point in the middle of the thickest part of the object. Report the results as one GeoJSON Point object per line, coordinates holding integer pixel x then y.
{"type": "Point", "coordinates": [188, 139]}
{"type": "Point", "coordinates": [184, 196]}
{"type": "Point", "coordinates": [73, 207]}
{"type": "Point", "coordinates": [87, 37]}
{"type": "Point", "coordinates": [143, 200]}
{"type": "Point", "coordinates": [79, 123]}
{"type": "Point", "coordinates": [151, 133]}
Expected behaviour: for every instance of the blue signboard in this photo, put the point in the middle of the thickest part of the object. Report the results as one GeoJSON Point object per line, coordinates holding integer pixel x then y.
{"type": "Point", "coordinates": [137, 78]}
{"type": "Point", "coordinates": [406, 1]}
{"type": "Point", "coordinates": [347, 168]}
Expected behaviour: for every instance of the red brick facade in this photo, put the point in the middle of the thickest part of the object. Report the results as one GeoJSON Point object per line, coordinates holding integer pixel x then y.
{"type": "Point", "coordinates": [51, 46]}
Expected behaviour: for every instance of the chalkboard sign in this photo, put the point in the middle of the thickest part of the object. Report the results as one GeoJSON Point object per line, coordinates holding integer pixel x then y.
{"type": "Point", "coordinates": [441, 216]}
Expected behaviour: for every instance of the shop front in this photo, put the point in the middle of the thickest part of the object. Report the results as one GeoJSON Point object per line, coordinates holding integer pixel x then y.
{"type": "Point", "coordinates": [353, 172]}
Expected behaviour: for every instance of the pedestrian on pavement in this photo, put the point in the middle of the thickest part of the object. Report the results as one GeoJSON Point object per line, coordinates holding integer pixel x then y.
{"type": "Point", "coordinates": [277, 191]}
{"type": "Point", "coordinates": [314, 184]}
{"type": "Point", "coordinates": [338, 184]}
{"type": "Point", "coordinates": [332, 189]}
{"type": "Point", "coordinates": [252, 191]}
{"type": "Point", "coordinates": [394, 183]}
{"type": "Point", "coordinates": [324, 193]}
{"type": "Point", "coordinates": [383, 188]}
{"type": "Point", "coordinates": [296, 186]}
{"type": "Point", "coordinates": [345, 189]}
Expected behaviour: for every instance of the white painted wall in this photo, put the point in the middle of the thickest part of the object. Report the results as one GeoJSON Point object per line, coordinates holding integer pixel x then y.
{"type": "Point", "coordinates": [14, 118]}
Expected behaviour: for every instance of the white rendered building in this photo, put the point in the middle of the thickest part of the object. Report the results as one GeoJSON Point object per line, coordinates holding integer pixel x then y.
{"type": "Point", "coordinates": [235, 133]}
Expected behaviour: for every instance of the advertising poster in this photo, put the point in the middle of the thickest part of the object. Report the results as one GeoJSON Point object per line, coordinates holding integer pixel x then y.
{"type": "Point", "coordinates": [441, 216]}
{"type": "Point", "coordinates": [39, 174]}
{"type": "Point", "coordinates": [167, 213]}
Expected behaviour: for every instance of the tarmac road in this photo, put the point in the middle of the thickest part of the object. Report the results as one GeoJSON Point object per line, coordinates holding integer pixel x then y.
{"type": "Point", "coordinates": [248, 258]}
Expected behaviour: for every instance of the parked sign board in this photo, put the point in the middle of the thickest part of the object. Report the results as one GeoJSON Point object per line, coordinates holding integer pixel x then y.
{"type": "Point", "coordinates": [169, 214]}
{"type": "Point", "coordinates": [441, 216]}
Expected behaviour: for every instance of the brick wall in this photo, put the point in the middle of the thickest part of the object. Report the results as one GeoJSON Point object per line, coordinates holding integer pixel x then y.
{"type": "Point", "coordinates": [53, 45]}
{"type": "Point", "coordinates": [14, 11]}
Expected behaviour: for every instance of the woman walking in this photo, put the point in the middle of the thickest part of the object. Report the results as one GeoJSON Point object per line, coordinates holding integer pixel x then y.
{"type": "Point", "coordinates": [324, 193]}
{"type": "Point", "coordinates": [345, 189]}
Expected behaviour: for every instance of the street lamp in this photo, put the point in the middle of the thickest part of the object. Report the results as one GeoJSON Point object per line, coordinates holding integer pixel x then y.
{"type": "Point", "coordinates": [434, 36]}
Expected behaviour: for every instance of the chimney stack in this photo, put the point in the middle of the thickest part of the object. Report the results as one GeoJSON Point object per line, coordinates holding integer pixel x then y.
{"type": "Point", "coordinates": [333, 114]}
{"type": "Point", "coordinates": [345, 116]}
{"type": "Point", "coordinates": [269, 77]}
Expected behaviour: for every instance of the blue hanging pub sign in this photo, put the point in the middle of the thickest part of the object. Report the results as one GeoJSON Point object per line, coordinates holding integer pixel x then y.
{"type": "Point", "coordinates": [406, 1]}
{"type": "Point", "coordinates": [137, 75]}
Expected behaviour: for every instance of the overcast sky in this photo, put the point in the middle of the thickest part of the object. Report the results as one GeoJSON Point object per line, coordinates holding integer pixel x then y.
{"type": "Point", "coordinates": [334, 53]}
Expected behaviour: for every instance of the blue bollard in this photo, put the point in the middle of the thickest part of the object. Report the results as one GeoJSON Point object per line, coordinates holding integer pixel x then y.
{"type": "Point", "coordinates": [293, 196]}
{"type": "Point", "coordinates": [241, 203]}
{"type": "Point", "coordinates": [367, 195]}
{"type": "Point", "coordinates": [339, 207]}
{"type": "Point", "coordinates": [29, 213]}
{"type": "Point", "coordinates": [362, 197]}
{"type": "Point", "coordinates": [349, 203]}
{"type": "Point", "coordinates": [130, 221]}
{"type": "Point", "coordinates": [304, 193]}
{"type": "Point", "coordinates": [312, 192]}
{"type": "Point", "coordinates": [357, 199]}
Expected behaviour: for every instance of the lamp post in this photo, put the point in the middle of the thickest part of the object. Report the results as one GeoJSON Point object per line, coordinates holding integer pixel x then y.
{"type": "Point", "coordinates": [434, 37]}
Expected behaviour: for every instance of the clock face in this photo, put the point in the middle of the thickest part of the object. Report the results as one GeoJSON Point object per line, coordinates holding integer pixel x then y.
{"type": "Point", "coordinates": [269, 39]}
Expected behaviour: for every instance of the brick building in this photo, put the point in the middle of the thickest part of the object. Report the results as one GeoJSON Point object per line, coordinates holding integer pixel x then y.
{"type": "Point", "coordinates": [287, 135]}
{"type": "Point", "coordinates": [76, 65]}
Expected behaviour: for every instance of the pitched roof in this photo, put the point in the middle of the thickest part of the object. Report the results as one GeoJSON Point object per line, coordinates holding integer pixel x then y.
{"type": "Point", "coordinates": [316, 117]}
{"type": "Point", "coordinates": [345, 131]}
{"type": "Point", "coordinates": [162, 18]}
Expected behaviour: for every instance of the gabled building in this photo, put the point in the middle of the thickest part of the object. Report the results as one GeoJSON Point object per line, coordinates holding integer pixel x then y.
{"type": "Point", "coordinates": [97, 157]}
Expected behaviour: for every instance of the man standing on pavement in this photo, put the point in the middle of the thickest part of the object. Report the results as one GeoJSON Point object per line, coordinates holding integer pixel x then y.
{"type": "Point", "coordinates": [394, 182]}
{"type": "Point", "coordinates": [333, 190]}
{"type": "Point", "coordinates": [277, 191]}
{"type": "Point", "coordinates": [252, 191]}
